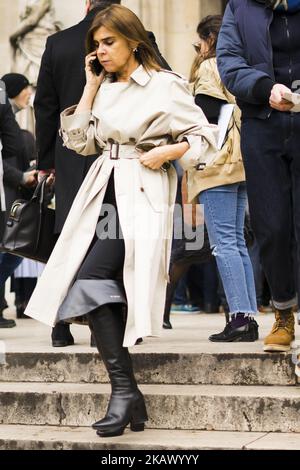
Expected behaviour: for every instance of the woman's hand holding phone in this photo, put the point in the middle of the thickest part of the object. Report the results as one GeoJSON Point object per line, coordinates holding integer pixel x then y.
{"type": "Point", "coordinates": [93, 81]}
{"type": "Point", "coordinates": [92, 86]}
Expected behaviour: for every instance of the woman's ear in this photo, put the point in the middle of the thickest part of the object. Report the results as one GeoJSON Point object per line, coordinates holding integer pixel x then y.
{"type": "Point", "coordinates": [134, 46]}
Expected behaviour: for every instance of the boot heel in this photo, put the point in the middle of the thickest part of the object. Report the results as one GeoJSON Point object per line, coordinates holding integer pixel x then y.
{"type": "Point", "coordinates": [139, 416]}
{"type": "Point", "coordinates": [249, 338]}
{"type": "Point", "coordinates": [137, 427]}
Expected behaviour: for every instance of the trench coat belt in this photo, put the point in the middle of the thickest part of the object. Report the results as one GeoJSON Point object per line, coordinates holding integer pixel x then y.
{"type": "Point", "coordinates": [116, 151]}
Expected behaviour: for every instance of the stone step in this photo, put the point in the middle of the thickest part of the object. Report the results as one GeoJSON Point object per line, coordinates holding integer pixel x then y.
{"type": "Point", "coordinates": [182, 355]}
{"type": "Point", "coordinates": [215, 368]}
{"type": "Point", "coordinates": [18, 437]}
{"type": "Point", "coordinates": [190, 407]}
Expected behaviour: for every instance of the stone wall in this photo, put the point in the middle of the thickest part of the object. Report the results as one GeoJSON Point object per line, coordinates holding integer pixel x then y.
{"type": "Point", "coordinates": [173, 22]}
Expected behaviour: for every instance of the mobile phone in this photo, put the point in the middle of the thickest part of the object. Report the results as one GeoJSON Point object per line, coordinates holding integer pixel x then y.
{"type": "Point", "coordinates": [96, 66]}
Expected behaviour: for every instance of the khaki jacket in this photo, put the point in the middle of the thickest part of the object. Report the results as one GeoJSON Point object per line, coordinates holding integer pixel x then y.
{"type": "Point", "coordinates": [151, 109]}
{"type": "Point", "coordinates": [227, 165]}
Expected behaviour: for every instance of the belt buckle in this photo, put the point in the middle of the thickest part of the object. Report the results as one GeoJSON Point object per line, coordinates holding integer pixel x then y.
{"type": "Point", "coordinates": [114, 151]}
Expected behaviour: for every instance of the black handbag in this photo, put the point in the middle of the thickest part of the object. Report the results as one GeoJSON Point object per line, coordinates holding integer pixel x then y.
{"type": "Point", "coordinates": [29, 230]}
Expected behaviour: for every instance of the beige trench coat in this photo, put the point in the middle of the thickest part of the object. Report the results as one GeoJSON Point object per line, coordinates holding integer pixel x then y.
{"type": "Point", "coordinates": [151, 109]}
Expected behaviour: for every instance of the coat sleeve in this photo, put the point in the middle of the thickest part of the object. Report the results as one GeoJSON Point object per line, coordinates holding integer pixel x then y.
{"type": "Point", "coordinates": [189, 123]}
{"type": "Point", "coordinates": [79, 132]}
{"type": "Point", "coordinates": [12, 176]}
{"type": "Point", "coordinates": [46, 107]}
{"type": "Point", "coordinates": [10, 134]}
{"type": "Point", "coordinates": [237, 75]}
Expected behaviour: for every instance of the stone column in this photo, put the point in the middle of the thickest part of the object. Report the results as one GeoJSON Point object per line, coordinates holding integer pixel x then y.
{"type": "Point", "coordinates": [174, 24]}
{"type": "Point", "coordinates": [181, 19]}
{"type": "Point", "coordinates": [9, 14]}
{"type": "Point", "coordinates": [152, 14]}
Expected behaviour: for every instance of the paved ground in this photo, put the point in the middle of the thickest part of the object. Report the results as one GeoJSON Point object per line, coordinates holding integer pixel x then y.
{"type": "Point", "coordinates": [190, 334]}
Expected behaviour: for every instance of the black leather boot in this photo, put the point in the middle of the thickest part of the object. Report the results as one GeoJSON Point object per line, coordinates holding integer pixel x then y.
{"type": "Point", "coordinates": [126, 405]}
{"type": "Point", "coordinates": [5, 323]}
{"type": "Point", "coordinates": [248, 333]}
{"type": "Point", "coordinates": [61, 335]}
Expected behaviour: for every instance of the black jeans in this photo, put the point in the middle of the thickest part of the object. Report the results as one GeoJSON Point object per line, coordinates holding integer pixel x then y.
{"type": "Point", "coordinates": [271, 153]}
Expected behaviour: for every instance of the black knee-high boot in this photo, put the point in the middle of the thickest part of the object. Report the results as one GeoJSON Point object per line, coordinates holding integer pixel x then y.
{"type": "Point", "coordinates": [126, 405]}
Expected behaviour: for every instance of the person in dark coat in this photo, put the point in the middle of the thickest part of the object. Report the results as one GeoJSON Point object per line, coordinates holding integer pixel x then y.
{"type": "Point", "coordinates": [15, 176]}
{"type": "Point", "coordinates": [258, 56]}
{"type": "Point", "coordinates": [19, 92]}
{"type": "Point", "coordinates": [60, 84]}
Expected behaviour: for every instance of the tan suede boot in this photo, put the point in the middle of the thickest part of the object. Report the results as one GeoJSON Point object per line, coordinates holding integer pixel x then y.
{"type": "Point", "coordinates": [283, 332]}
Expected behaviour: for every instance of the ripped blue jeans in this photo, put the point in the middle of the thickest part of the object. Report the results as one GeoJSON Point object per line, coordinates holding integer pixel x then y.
{"type": "Point", "coordinates": [224, 213]}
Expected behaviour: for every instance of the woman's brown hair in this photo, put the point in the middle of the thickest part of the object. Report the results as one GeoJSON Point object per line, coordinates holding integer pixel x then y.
{"type": "Point", "coordinates": [208, 29]}
{"type": "Point", "coordinates": [123, 21]}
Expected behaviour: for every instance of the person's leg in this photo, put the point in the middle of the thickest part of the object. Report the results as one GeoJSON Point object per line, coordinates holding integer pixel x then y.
{"type": "Point", "coordinates": [295, 168]}
{"type": "Point", "coordinates": [126, 403]}
{"type": "Point", "coordinates": [248, 269]}
{"type": "Point", "coordinates": [20, 299]}
{"type": "Point", "coordinates": [190, 302]}
{"type": "Point", "coordinates": [223, 300]}
{"type": "Point", "coordinates": [269, 188]}
{"type": "Point", "coordinates": [3, 303]}
{"type": "Point", "coordinates": [104, 262]}
{"type": "Point", "coordinates": [177, 270]}
{"type": "Point", "coordinates": [265, 146]}
{"type": "Point", "coordinates": [257, 271]}
{"type": "Point", "coordinates": [221, 206]}
{"type": "Point", "coordinates": [180, 295]}
{"type": "Point", "coordinates": [8, 264]}
{"type": "Point", "coordinates": [4, 322]}
{"type": "Point", "coordinates": [211, 298]}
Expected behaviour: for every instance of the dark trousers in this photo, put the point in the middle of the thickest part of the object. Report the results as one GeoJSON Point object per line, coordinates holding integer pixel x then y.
{"type": "Point", "coordinates": [105, 258]}
{"type": "Point", "coordinates": [271, 153]}
{"type": "Point", "coordinates": [8, 264]}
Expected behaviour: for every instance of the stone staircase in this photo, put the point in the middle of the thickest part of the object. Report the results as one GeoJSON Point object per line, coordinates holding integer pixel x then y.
{"type": "Point", "coordinates": [199, 395]}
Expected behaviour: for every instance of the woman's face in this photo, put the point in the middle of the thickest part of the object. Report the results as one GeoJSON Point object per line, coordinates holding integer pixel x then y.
{"type": "Point", "coordinates": [113, 51]}
{"type": "Point", "coordinates": [204, 46]}
{"type": "Point", "coordinates": [23, 98]}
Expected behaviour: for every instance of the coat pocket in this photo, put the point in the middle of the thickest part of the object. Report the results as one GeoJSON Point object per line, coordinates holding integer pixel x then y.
{"type": "Point", "coordinates": [152, 186]}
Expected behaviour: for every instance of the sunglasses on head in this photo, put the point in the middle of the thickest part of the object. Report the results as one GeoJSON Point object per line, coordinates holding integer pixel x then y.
{"type": "Point", "coordinates": [197, 47]}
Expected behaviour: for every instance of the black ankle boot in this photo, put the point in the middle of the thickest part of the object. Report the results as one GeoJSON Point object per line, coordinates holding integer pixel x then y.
{"type": "Point", "coordinates": [126, 405]}
{"type": "Point", "coordinates": [20, 309]}
{"type": "Point", "coordinates": [61, 335]}
{"type": "Point", "coordinates": [167, 325]}
{"type": "Point", "coordinates": [230, 334]}
{"type": "Point", "coordinates": [5, 323]}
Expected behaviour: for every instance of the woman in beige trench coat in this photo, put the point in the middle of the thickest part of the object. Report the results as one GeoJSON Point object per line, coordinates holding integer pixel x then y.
{"type": "Point", "coordinates": [138, 118]}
